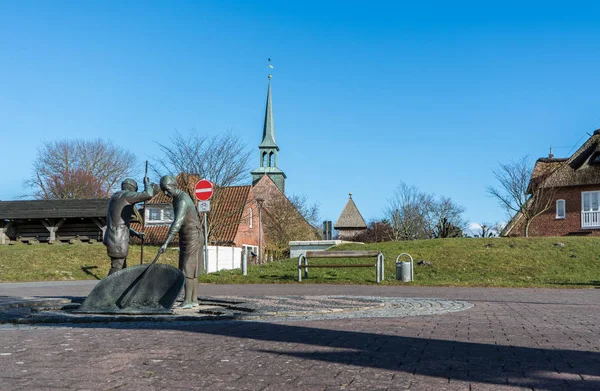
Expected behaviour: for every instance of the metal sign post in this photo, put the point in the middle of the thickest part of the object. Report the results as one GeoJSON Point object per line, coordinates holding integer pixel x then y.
{"type": "Point", "coordinates": [144, 219]}
{"type": "Point", "coordinates": [204, 191]}
{"type": "Point", "coordinates": [204, 208]}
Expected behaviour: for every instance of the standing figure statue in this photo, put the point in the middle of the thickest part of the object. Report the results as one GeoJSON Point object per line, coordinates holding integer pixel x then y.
{"type": "Point", "coordinates": [187, 224]}
{"type": "Point", "coordinates": [118, 220]}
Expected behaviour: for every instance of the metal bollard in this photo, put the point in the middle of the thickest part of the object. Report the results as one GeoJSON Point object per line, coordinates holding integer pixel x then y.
{"type": "Point", "coordinates": [404, 270]}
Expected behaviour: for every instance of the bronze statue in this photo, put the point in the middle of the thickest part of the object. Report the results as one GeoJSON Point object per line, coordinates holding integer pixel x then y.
{"type": "Point", "coordinates": [187, 224]}
{"type": "Point", "coordinates": [118, 220]}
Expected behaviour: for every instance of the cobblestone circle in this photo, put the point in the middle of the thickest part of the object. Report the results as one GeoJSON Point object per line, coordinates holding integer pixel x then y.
{"type": "Point", "coordinates": [257, 308]}
{"type": "Point", "coordinates": [286, 308]}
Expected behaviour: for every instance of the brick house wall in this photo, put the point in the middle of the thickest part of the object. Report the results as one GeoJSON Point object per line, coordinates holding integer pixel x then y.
{"type": "Point", "coordinates": [266, 189]}
{"type": "Point", "coordinates": [547, 224]}
{"type": "Point", "coordinates": [248, 233]}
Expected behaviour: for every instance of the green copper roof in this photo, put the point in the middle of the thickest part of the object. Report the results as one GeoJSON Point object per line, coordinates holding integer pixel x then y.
{"type": "Point", "coordinates": [268, 140]}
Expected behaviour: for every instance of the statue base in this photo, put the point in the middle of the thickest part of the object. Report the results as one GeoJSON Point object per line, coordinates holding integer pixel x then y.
{"type": "Point", "coordinates": [142, 289]}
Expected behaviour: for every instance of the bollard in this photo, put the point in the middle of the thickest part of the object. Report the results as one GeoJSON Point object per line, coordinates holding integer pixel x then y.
{"type": "Point", "coordinates": [404, 270]}
{"type": "Point", "coordinates": [245, 263]}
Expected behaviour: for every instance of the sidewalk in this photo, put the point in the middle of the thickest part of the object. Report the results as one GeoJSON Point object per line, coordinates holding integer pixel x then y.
{"type": "Point", "coordinates": [511, 339]}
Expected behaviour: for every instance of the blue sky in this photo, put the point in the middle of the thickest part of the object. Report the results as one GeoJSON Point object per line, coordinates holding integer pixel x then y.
{"type": "Point", "coordinates": [366, 94]}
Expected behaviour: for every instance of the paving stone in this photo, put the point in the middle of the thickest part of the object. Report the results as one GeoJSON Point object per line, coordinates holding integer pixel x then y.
{"type": "Point", "coordinates": [509, 339]}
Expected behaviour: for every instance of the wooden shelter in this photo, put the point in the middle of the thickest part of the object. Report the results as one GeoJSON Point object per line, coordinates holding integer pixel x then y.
{"type": "Point", "coordinates": [52, 221]}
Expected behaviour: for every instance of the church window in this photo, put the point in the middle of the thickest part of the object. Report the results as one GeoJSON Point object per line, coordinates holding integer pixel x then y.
{"type": "Point", "coordinates": [263, 161]}
{"type": "Point", "coordinates": [271, 155]}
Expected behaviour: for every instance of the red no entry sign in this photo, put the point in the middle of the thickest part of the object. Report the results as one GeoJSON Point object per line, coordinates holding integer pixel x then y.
{"type": "Point", "coordinates": [203, 190]}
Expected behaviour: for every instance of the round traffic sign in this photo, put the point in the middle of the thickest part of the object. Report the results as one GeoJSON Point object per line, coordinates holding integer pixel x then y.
{"type": "Point", "coordinates": [203, 190]}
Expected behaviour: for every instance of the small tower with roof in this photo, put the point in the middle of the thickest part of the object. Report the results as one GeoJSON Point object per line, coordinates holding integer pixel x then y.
{"type": "Point", "coordinates": [268, 150]}
{"type": "Point", "coordinates": [350, 223]}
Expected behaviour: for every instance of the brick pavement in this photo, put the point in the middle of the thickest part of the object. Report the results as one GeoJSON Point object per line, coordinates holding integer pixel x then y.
{"type": "Point", "coordinates": [512, 339]}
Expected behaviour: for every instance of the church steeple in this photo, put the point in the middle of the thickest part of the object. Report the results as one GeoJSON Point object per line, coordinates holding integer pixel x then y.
{"type": "Point", "coordinates": [268, 149]}
{"type": "Point", "coordinates": [268, 140]}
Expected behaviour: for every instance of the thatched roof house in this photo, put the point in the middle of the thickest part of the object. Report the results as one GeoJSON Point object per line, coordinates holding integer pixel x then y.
{"type": "Point", "coordinates": [573, 183]}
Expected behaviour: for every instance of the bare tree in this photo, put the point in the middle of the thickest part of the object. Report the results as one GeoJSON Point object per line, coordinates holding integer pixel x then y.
{"type": "Point", "coordinates": [408, 211]}
{"type": "Point", "coordinates": [290, 219]}
{"type": "Point", "coordinates": [497, 227]}
{"type": "Point", "coordinates": [310, 212]}
{"type": "Point", "coordinates": [413, 214]}
{"type": "Point", "coordinates": [516, 193]}
{"type": "Point", "coordinates": [224, 160]}
{"type": "Point", "coordinates": [446, 219]}
{"type": "Point", "coordinates": [486, 230]}
{"type": "Point", "coordinates": [75, 184]}
{"type": "Point", "coordinates": [377, 231]}
{"type": "Point", "coordinates": [79, 169]}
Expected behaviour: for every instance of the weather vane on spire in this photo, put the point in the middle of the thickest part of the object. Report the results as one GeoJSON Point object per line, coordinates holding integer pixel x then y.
{"type": "Point", "coordinates": [271, 67]}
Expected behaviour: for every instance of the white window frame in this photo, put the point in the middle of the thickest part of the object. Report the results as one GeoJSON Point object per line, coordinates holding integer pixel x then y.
{"type": "Point", "coordinates": [564, 209]}
{"type": "Point", "coordinates": [162, 220]}
{"type": "Point", "coordinates": [592, 193]}
{"type": "Point", "coordinates": [250, 248]}
{"type": "Point", "coordinates": [251, 215]}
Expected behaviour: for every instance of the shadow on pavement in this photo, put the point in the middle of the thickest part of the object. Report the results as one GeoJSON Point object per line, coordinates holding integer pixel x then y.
{"type": "Point", "coordinates": [544, 369]}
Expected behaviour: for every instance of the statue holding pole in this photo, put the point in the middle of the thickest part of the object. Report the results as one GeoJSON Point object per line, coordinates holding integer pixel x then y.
{"type": "Point", "coordinates": [118, 221]}
{"type": "Point", "coordinates": [187, 224]}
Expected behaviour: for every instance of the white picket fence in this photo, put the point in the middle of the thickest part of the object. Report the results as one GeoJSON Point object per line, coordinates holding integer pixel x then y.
{"type": "Point", "coordinates": [223, 258]}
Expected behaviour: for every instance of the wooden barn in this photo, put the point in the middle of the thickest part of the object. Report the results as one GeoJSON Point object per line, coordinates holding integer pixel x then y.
{"type": "Point", "coordinates": [52, 221]}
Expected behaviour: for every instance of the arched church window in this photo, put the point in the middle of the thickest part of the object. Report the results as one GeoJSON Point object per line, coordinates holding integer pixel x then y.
{"type": "Point", "coordinates": [271, 155]}
{"type": "Point", "coordinates": [263, 162]}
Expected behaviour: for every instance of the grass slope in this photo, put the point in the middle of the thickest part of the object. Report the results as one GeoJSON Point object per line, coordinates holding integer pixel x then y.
{"type": "Point", "coordinates": [44, 262]}
{"type": "Point", "coordinates": [500, 262]}
{"type": "Point", "coordinates": [508, 262]}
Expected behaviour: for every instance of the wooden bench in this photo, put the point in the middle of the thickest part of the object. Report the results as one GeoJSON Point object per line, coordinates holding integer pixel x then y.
{"type": "Point", "coordinates": [378, 265]}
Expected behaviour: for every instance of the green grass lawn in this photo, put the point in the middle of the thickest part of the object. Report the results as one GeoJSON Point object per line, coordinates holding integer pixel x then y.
{"type": "Point", "coordinates": [500, 262]}
{"type": "Point", "coordinates": [46, 262]}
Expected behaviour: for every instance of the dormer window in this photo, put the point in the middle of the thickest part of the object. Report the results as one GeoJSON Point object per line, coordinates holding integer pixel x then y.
{"type": "Point", "coordinates": [159, 214]}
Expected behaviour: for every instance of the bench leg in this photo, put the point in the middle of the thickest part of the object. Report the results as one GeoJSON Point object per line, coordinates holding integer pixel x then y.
{"type": "Point", "coordinates": [300, 267]}
{"type": "Point", "coordinates": [380, 268]}
{"type": "Point", "coordinates": [300, 273]}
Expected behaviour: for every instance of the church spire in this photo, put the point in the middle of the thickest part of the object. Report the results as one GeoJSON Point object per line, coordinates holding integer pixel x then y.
{"type": "Point", "coordinates": [268, 149]}
{"type": "Point", "coordinates": [268, 140]}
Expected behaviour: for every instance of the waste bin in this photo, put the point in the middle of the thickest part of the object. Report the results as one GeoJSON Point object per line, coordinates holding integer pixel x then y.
{"type": "Point", "coordinates": [404, 270]}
